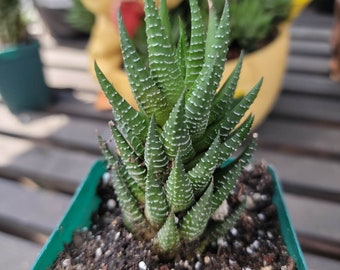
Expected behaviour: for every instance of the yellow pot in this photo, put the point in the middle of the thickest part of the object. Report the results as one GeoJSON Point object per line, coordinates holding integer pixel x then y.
{"type": "Point", "coordinates": [270, 63]}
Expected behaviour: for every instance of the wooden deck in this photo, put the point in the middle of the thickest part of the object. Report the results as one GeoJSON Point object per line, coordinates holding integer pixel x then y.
{"type": "Point", "coordinates": [45, 155]}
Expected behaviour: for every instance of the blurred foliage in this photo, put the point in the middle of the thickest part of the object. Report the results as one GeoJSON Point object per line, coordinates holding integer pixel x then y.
{"type": "Point", "coordinates": [12, 24]}
{"type": "Point", "coordinates": [253, 22]}
{"type": "Point", "coordinates": [80, 18]}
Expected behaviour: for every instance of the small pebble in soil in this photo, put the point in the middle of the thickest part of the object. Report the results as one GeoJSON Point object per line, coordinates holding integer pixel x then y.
{"type": "Point", "coordinates": [106, 178]}
{"type": "Point", "coordinates": [111, 204]}
{"type": "Point", "coordinates": [255, 244]}
{"type": "Point", "coordinates": [117, 236]}
{"type": "Point", "coordinates": [99, 253]}
{"type": "Point", "coordinates": [222, 242]}
{"type": "Point", "coordinates": [234, 231]}
{"type": "Point", "coordinates": [66, 263]}
{"type": "Point", "coordinates": [198, 265]}
{"type": "Point", "coordinates": [108, 253]}
{"type": "Point", "coordinates": [270, 235]}
{"type": "Point", "coordinates": [249, 250]}
{"type": "Point", "coordinates": [261, 216]}
{"type": "Point", "coordinates": [142, 266]}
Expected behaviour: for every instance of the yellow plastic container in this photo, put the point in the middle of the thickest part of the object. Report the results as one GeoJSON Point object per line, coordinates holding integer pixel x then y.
{"type": "Point", "coordinates": [268, 62]}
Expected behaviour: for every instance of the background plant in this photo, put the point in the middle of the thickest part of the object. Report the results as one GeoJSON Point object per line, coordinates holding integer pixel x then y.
{"type": "Point", "coordinates": [166, 163]}
{"type": "Point", "coordinates": [251, 21]}
{"type": "Point", "coordinates": [79, 17]}
{"type": "Point", "coordinates": [12, 24]}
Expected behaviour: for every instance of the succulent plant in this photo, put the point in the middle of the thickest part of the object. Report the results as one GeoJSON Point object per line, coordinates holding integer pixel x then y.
{"type": "Point", "coordinates": [167, 157]}
{"type": "Point", "coordinates": [79, 17]}
{"type": "Point", "coordinates": [252, 22]}
{"type": "Point", "coordinates": [12, 24]}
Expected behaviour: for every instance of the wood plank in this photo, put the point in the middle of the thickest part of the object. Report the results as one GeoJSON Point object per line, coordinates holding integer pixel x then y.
{"type": "Point", "coordinates": [307, 108]}
{"type": "Point", "coordinates": [300, 136]}
{"type": "Point", "coordinates": [322, 246]}
{"type": "Point", "coordinates": [311, 84]}
{"type": "Point", "coordinates": [310, 17]}
{"type": "Point", "coordinates": [70, 78]}
{"type": "Point", "coordinates": [316, 48]}
{"type": "Point", "coordinates": [59, 129]}
{"type": "Point", "coordinates": [46, 165]}
{"type": "Point", "coordinates": [308, 64]}
{"type": "Point", "coordinates": [314, 217]}
{"type": "Point", "coordinates": [17, 253]}
{"type": "Point", "coordinates": [25, 209]}
{"type": "Point", "coordinates": [318, 262]}
{"type": "Point", "coordinates": [305, 175]}
{"type": "Point", "coordinates": [74, 103]}
{"type": "Point", "coordinates": [316, 223]}
{"type": "Point", "coordinates": [304, 32]}
{"type": "Point", "coordinates": [53, 55]}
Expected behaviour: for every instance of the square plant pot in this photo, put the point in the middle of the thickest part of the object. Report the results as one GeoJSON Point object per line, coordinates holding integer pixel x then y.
{"type": "Point", "coordinates": [22, 82]}
{"type": "Point", "coordinates": [85, 202]}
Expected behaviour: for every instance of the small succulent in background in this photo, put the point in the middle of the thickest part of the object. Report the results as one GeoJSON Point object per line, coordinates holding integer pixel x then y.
{"type": "Point", "coordinates": [166, 163]}
{"type": "Point", "coordinates": [79, 17]}
{"type": "Point", "coordinates": [253, 22]}
{"type": "Point", "coordinates": [254, 25]}
{"type": "Point", "coordinates": [12, 24]}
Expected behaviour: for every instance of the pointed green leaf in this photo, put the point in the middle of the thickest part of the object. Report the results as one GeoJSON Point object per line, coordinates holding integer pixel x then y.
{"type": "Point", "coordinates": [133, 218]}
{"type": "Point", "coordinates": [175, 133]}
{"type": "Point", "coordinates": [154, 150]}
{"type": "Point", "coordinates": [131, 184]}
{"type": "Point", "coordinates": [164, 16]}
{"type": "Point", "coordinates": [234, 141]}
{"type": "Point", "coordinates": [149, 98]}
{"type": "Point", "coordinates": [156, 207]}
{"type": "Point", "coordinates": [132, 124]}
{"type": "Point", "coordinates": [133, 163]}
{"type": "Point", "coordinates": [182, 49]}
{"type": "Point", "coordinates": [201, 174]}
{"type": "Point", "coordinates": [197, 43]}
{"type": "Point", "coordinates": [228, 122]}
{"type": "Point", "coordinates": [178, 189]}
{"type": "Point", "coordinates": [226, 178]}
{"type": "Point", "coordinates": [163, 65]}
{"type": "Point", "coordinates": [225, 181]}
{"type": "Point", "coordinates": [223, 100]}
{"type": "Point", "coordinates": [217, 53]}
{"type": "Point", "coordinates": [199, 101]}
{"type": "Point", "coordinates": [110, 156]}
{"type": "Point", "coordinates": [211, 32]}
{"type": "Point", "coordinates": [196, 219]}
{"type": "Point", "coordinates": [235, 115]}
{"type": "Point", "coordinates": [168, 240]}
{"type": "Point", "coordinates": [231, 144]}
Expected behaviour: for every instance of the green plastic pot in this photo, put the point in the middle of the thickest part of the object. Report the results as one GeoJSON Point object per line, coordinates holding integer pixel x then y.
{"type": "Point", "coordinates": [85, 202]}
{"type": "Point", "coordinates": [22, 82]}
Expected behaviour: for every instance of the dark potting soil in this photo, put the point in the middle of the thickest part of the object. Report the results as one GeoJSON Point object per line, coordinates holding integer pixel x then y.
{"type": "Point", "coordinates": [253, 243]}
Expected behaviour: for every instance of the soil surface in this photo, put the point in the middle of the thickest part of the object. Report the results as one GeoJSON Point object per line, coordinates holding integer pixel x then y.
{"type": "Point", "coordinates": [253, 243]}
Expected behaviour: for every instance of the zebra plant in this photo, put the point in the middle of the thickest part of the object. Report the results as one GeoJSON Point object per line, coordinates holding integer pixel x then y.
{"type": "Point", "coordinates": [166, 163]}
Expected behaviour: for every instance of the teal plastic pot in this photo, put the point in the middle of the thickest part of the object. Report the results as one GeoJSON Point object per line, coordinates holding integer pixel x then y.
{"type": "Point", "coordinates": [22, 82]}
{"type": "Point", "coordinates": [85, 202]}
